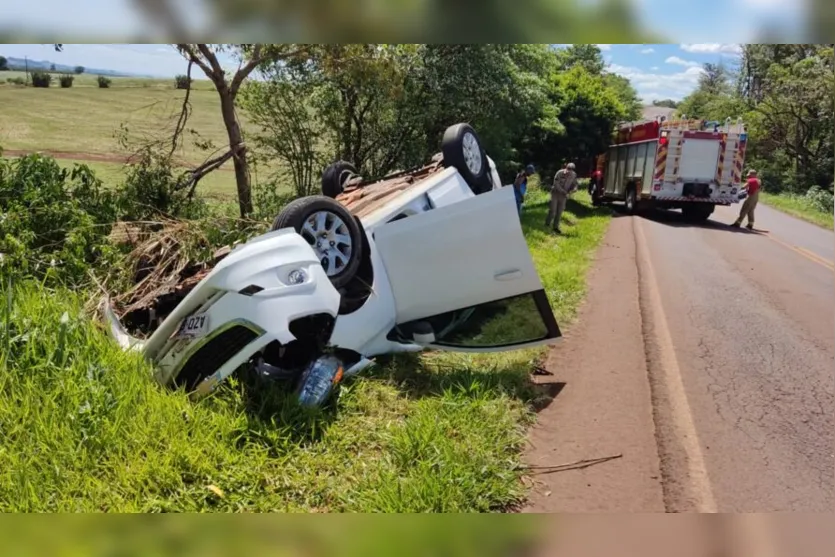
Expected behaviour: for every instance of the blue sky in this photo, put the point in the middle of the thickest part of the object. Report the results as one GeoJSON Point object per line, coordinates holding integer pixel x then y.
{"type": "Point", "coordinates": [656, 71]}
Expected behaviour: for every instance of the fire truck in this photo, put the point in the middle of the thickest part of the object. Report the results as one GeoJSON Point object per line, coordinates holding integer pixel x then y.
{"type": "Point", "coordinates": [686, 164]}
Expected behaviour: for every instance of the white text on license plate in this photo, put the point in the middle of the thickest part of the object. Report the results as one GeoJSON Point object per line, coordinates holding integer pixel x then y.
{"type": "Point", "coordinates": [194, 326]}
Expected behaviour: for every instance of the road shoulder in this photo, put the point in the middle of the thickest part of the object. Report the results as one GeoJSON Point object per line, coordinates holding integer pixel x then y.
{"type": "Point", "coordinates": [604, 406]}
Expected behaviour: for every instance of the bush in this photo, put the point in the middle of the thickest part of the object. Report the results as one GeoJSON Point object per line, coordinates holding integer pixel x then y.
{"type": "Point", "coordinates": [41, 79]}
{"type": "Point", "coordinates": [104, 83]}
{"type": "Point", "coordinates": [54, 222]}
{"type": "Point", "coordinates": [820, 199]}
{"type": "Point", "coordinates": [183, 82]}
{"type": "Point", "coordinates": [153, 187]}
{"type": "Point", "coordinates": [66, 81]}
{"type": "Point", "coordinates": [16, 80]}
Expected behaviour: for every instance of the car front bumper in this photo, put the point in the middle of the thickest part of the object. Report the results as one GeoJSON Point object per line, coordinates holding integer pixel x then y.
{"type": "Point", "coordinates": [248, 300]}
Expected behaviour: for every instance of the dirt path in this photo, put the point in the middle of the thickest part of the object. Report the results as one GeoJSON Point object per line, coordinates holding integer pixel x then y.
{"type": "Point", "coordinates": [703, 362]}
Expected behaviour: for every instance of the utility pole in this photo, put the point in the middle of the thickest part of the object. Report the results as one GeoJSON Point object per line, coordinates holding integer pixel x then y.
{"type": "Point", "coordinates": [26, 63]}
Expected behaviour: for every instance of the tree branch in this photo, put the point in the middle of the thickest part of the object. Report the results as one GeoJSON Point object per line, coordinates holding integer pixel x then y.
{"type": "Point", "coordinates": [212, 58]}
{"type": "Point", "coordinates": [190, 55]}
{"type": "Point", "coordinates": [184, 114]}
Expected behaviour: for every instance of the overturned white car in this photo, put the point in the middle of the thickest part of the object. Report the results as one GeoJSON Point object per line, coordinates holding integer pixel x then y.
{"type": "Point", "coordinates": [433, 257]}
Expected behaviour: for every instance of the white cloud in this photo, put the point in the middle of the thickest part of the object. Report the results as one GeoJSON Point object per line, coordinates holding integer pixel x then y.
{"type": "Point", "coordinates": [648, 51]}
{"type": "Point", "coordinates": [675, 60]}
{"type": "Point", "coordinates": [604, 46]}
{"type": "Point", "coordinates": [711, 48]}
{"type": "Point", "coordinates": [652, 85]}
{"type": "Point", "coordinates": [655, 68]}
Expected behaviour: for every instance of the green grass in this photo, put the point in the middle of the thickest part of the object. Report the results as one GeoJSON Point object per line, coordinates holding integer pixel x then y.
{"type": "Point", "coordinates": [84, 428]}
{"type": "Point", "coordinates": [799, 206]}
{"type": "Point", "coordinates": [84, 119]}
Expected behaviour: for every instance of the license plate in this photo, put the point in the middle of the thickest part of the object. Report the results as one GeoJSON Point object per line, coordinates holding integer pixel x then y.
{"type": "Point", "coordinates": [194, 326]}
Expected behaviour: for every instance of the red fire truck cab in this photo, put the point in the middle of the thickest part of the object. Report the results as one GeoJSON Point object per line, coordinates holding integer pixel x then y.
{"type": "Point", "coordinates": [692, 165]}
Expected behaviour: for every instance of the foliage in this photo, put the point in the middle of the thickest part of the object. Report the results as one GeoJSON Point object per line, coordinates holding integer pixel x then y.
{"type": "Point", "coordinates": [104, 82]}
{"type": "Point", "coordinates": [54, 222]}
{"type": "Point", "coordinates": [153, 187]}
{"type": "Point", "coordinates": [385, 107]}
{"type": "Point", "coordinates": [182, 82]}
{"type": "Point", "coordinates": [784, 93]}
{"type": "Point", "coordinates": [41, 79]}
{"type": "Point", "coordinates": [79, 70]}
{"type": "Point", "coordinates": [4, 64]}
{"type": "Point", "coordinates": [16, 80]}
{"type": "Point", "coordinates": [66, 81]}
{"type": "Point", "coordinates": [666, 103]}
{"type": "Point", "coordinates": [289, 131]}
{"type": "Point", "coordinates": [820, 199]}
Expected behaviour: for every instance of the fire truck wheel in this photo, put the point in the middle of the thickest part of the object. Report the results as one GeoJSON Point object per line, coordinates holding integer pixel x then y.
{"type": "Point", "coordinates": [698, 213]}
{"type": "Point", "coordinates": [631, 200]}
{"type": "Point", "coordinates": [462, 150]}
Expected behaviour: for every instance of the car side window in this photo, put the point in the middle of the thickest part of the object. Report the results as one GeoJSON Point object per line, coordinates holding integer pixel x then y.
{"type": "Point", "coordinates": [507, 322]}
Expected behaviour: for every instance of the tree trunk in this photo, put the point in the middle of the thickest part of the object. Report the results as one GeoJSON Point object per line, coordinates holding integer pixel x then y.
{"type": "Point", "coordinates": [236, 144]}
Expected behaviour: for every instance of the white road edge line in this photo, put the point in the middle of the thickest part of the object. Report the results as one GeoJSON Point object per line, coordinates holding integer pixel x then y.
{"type": "Point", "coordinates": [699, 482]}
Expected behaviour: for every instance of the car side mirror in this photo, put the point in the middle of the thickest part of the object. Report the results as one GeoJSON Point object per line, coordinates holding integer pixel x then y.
{"type": "Point", "coordinates": [422, 333]}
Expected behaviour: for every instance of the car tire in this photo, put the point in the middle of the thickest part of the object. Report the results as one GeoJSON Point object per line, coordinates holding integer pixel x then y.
{"type": "Point", "coordinates": [462, 150]}
{"type": "Point", "coordinates": [631, 200]}
{"type": "Point", "coordinates": [338, 244]}
{"type": "Point", "coordinates": [335, 176]}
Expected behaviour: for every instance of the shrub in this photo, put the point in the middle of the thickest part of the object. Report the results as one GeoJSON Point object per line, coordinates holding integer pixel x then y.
{"type": "Point", "coordinates": [66, 81]}
{"type": "Point", "coordinates": [182, 82]}
{"type": "Point", "coordinates": [104, 82]}
{"type": "Point", "coordinates": [54, 222]}
{"type": "Point", "coordinates": [16, 80]}
{"type": "Point", "coordinates": [41, 79]}
{"type": "Point", "coordinates": [821, 199]}
{"type": "Point", "coordinates": [153, 187]}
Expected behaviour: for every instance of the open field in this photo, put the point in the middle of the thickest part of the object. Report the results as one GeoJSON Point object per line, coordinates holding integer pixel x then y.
{"type": "Point", "coordinates": [84, 119]}
{"type": "Point", "coordinates": [86, 429]}
{"type": "Point", "coordinates": [91, 80]}
{"type": "Point", "coordinates": [79, 124]}
{"type": "Point", "coordinates": [799, 207]}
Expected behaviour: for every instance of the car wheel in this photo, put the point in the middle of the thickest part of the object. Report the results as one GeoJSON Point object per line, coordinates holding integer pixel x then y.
{"type": "Point", "coordinates": [631, 200]}
{"type": "Point", "coordinates": [335, 176]}
{"type": "Point", "coordinates": [317, 382]}
{"type": "Point", "coordinates": [462, 150]}
{"type": "Point", "coordinates": [332, 232]}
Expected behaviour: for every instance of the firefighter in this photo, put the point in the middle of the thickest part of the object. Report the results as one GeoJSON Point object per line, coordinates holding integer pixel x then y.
{"type": "Point", "coordinates": [565, 183]}
{"type": "Point", "coordinates": [752, 186]}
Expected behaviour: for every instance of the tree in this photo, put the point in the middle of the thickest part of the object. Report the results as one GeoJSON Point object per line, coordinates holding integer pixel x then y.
{"type": "Point", "coordinates": [79, 70]}
{"type": "Point", "coordinates": [4, 64]}
{"type": "Point", "coordinates": [52, 67]}
{"type": "Point", "coordinates": [251, 56]}
{"type": "Point", "coordinates": [588, 56]}
{"type": "Point", "coordinates": [666, 103]}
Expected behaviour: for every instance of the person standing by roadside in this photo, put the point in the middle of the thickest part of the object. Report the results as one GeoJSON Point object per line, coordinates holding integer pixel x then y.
{"type": "Point", "coordinates": [520, 186]}
{"type": "Point", "coordinates": [565, 183]}
{"type": "Point", "coordinates": [752, 186]}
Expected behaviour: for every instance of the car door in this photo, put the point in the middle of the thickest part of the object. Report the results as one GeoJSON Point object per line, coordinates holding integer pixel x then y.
{"type": "Point", "coordinates": [463, 279]}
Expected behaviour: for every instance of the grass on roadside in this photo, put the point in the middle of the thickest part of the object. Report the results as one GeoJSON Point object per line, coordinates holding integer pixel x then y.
{"type": "Point", "coordinates": [798, 206]}
{"type": "Point", "coordinates": [84, 428]}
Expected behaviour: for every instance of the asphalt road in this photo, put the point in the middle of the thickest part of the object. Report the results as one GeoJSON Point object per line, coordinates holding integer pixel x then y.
{"type": "Point", "coordinates": [704, 361]}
